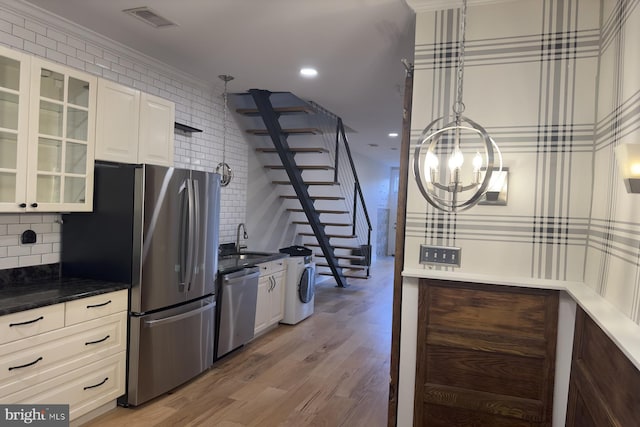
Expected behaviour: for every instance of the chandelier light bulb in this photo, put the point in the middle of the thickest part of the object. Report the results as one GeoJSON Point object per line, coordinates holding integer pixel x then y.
{"type": "Point", "coordinates": [477, 162]}
{"type": "Point", "coordinates": [456, 160]}
{"type": "Point", "coordinates": [431, 163]}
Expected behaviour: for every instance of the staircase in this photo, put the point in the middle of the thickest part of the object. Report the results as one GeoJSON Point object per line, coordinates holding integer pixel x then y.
{"type": "Point", "coordinates": [316, 177]}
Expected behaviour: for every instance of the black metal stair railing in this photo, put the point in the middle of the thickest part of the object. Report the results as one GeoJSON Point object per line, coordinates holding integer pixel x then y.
{"type": "Point", "coordinates": [279, 139]}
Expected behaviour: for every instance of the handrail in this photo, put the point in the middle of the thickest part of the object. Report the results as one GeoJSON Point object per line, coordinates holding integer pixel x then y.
{"type": "Point", "coordinates": [358, 189]}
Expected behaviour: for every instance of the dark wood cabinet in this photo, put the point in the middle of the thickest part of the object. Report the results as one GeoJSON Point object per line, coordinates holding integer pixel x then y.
{"type": "Point", "coordinates": [486, 355]}
{"type": "Point", "coordinates": [603, 391]}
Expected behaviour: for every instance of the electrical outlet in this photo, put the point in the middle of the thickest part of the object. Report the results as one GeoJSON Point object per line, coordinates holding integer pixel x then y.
{"type": "Point", "coordinates": [440, 255]}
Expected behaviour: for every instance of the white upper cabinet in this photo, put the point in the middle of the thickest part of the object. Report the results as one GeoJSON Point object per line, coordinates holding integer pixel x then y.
{"type": "Point", "coordinates": [133, 127]}
{"type": "Point", "coordinates": [62, 115]}
{"type": "Point", "coordinates": [117, 123]}
{"type": "Point", "coordinates": [157, 118]}
{"type": "Point", "coordinates": [47, 128]}
{"type": "Point", "coordinates": [14, 129]}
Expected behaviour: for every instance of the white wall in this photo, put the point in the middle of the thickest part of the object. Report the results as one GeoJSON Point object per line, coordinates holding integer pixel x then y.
{"type": "Point", "coordinates": [198, 104]}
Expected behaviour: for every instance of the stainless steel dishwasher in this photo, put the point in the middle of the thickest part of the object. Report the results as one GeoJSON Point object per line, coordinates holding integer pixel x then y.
{"type": "Point", "coordinates": [237, 307]}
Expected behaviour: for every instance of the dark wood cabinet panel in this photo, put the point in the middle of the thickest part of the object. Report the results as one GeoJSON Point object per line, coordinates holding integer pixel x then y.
{"type": "Point", "coordinates": [486, 355]}
{"type": "Point", "coordinates": [604, 384]}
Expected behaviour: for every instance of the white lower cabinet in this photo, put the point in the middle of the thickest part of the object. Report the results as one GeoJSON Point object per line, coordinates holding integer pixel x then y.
{"type": "Point", "coordinates": [270, 305]}
{"type": "Point", "coordinates": [81, 362]}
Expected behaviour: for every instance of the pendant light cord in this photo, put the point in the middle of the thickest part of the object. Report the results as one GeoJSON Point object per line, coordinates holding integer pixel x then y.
{"type": "Point", "coordinates": [224, 122]}
{"type": "Point", "coordinates": [459, 107]}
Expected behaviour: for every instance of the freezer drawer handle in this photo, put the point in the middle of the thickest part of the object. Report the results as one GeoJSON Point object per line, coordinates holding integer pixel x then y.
{"type": "Point", "coordinates": [96, 385]}
{"type": "Point", "coordinates": [28, 322]}
{"type": "Point", "coordinates": [97, 341]}
{"type": "Point", "coordinates": [99, 305]}
{"type": "Point", "coordinates": [159, 322]}
{"type": "Point", "coordinates": [11, 368]}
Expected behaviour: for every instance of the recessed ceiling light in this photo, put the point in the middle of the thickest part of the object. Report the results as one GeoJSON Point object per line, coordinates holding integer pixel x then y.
{"type": "Point", "coordinates": [393, 134]}
{"type": "Point", "coordinates": [373, 145]}
{"type": "Point", "coordinates": [308, 72]}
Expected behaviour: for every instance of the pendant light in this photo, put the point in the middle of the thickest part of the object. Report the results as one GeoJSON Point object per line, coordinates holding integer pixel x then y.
{"type": "Point", "coordinates": [455, 135]}
{"type": "Point", "coordinates": [225, 171]}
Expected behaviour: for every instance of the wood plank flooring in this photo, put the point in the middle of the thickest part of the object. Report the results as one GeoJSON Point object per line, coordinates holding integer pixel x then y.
{"type": "Point", "coordinates": [330, 370]}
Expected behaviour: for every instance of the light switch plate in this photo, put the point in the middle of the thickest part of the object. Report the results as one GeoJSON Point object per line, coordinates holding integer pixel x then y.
{"type": "Point", "coordinates": [440, 255]}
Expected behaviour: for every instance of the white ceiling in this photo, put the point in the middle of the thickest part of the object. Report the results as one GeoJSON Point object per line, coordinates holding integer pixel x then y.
{"type": "Point", "coordinates": [356, 46]}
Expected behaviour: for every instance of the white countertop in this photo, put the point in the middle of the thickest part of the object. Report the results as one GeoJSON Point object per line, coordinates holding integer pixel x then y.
{"type": "Point", "coordinates": [621, 329]}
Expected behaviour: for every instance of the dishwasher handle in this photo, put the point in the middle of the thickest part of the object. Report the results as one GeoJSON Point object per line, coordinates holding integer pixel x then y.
{"type": "Point", "coordinates": [244, 274]}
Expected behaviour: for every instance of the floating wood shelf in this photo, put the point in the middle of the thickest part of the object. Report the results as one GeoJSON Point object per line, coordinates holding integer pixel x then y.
{"type": "Point", "coordinates": [300, 109]}
{"type": "Point", "coordinates": [292, 131]}
{"type": "Point", "coordinates": [185, 128]}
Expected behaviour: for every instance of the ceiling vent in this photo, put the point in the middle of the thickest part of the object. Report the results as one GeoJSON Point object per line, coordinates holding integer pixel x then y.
{"type": "Point", "coordinates": [149, 16]}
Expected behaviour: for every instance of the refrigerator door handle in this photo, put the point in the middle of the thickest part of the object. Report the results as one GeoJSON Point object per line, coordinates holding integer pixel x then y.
{"type": "Point", "coordinates": [177, 317]}
{"type": "Point", "coordinates": [190, 233]}
{"type": "Point", "coordinates": [195, 241]}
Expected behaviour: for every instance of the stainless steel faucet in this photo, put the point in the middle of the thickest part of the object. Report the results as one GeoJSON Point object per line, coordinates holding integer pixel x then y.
{"type": "Point", "coordinates": [245, 236]}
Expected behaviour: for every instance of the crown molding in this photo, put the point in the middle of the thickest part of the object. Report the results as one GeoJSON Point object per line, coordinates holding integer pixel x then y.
{"type": "Point", "coordinates": [70, 28]}
{"type": "Point", "coordinates": [431, 5]}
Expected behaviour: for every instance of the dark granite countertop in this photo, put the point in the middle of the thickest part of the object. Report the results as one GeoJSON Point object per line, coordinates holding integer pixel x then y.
{"type": "Point", "coordinates": [21, 291]}
{"type": "Point", "coordinates": [231, 263]}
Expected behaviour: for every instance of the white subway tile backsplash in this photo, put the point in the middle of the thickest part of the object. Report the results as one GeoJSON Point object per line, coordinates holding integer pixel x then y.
{"type": "Point", "coordinates": [198, 105]}
{"type": "Point", "coordinates": [28, 260]}
{"type": "Point", "coordinates": [18, 250]}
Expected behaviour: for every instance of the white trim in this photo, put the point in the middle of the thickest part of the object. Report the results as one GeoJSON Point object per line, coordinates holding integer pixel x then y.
{"type": "Point", "coordinates": [431, 5]}
{"type": "Point", "coordinates": [72, 29]}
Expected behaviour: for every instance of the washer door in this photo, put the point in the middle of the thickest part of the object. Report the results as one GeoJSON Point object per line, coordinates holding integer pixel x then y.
{"type": "Point", "coordinates": [306, 288]}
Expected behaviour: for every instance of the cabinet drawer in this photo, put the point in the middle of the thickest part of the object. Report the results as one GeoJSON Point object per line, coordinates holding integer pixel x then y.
{"type": "Point", "coordinates": [270, 267]}
{"type": "Point", "coordinates": [30, 361]}
{"type": "Point", "coordinates": [28, 323]}
{"type": "Point", "coordinates": [90, 308]}
{"type": "Point", "coordinates": [84, 389]}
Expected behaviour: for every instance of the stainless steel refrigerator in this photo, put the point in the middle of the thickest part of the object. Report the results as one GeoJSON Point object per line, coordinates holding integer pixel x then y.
{"type": "Point", "coordinates": [156, 228]}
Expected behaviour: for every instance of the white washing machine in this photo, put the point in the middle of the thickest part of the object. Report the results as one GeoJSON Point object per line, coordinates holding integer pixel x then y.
{"type": "Point", "coordinates": [299, 289]}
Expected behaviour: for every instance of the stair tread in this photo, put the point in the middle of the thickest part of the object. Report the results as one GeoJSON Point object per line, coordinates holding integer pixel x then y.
{"type": "Point", "coordinates": [307, 183]}
{"type": "Point", "coordinates": [345, 266]}
{"type": "Point", "coordinates": [350, 257]}
{"type": "Point", "coordinates": [337, 236]}
{"type": "Point", "coordinates": [316, 245]}
{"type": "Point", "coordinates": [315, 197]}
{"type": "Point", "coordinates": [326, 211]}
{"type": "Point", "coordinates": [296, 109]}
{"type": "Point", "coordinates": [294, 150]}
{"type": "Point", "coordinates": [331, 224]}
{"type": "Point", "coordinates": [290, 131]}
{"type": "Point", "coordinates": [310, 167]}
{"type": "Point", "coordinates": [348, 276]}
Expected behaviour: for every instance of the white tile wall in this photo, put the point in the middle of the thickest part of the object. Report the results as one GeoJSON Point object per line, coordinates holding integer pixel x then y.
{"type": "Point", "coordinates": [198, 104]}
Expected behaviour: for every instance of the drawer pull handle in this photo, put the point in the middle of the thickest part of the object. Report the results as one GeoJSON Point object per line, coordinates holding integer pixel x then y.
{"type": "Point", "coordinates": [28, 322]}
{"type": "Point", "coordinates": [11, 368]}
{"type": "Point", "coordinates": [97, 341]}
{"type": "Point", "coordinates": [99, 305]}
{"type": "Point", "coordinates": [96, 385]}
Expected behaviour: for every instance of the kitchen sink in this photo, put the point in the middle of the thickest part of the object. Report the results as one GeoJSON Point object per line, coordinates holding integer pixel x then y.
{"type": "Point", "coordinates": [233, 261]}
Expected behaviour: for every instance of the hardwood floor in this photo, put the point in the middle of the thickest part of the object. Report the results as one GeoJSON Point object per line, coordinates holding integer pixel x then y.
{"type": "Point", "coordinates": [330, 370]}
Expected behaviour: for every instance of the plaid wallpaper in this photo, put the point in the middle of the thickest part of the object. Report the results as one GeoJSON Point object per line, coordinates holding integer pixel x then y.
{"type": "Point", "coordinates": [557, 85]}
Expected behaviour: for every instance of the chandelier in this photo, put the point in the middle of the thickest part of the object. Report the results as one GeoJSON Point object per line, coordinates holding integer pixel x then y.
{"type": "Point", "coordinates": [464, 184]}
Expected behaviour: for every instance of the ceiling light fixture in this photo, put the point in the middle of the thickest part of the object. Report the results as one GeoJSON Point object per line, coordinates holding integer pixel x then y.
{"type": "Point", "coordinates": [456, 136]}
{"type": "Point", "coordinates": [308, 72]}
{"type": "Point", "coordinates": [393, 134]}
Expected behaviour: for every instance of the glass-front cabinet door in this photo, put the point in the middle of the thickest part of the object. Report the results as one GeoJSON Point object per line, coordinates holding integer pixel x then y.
{"type": "Point", "coordinates": [61, 138]}
{"type": "Point", "coordinates": [14, 129]}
